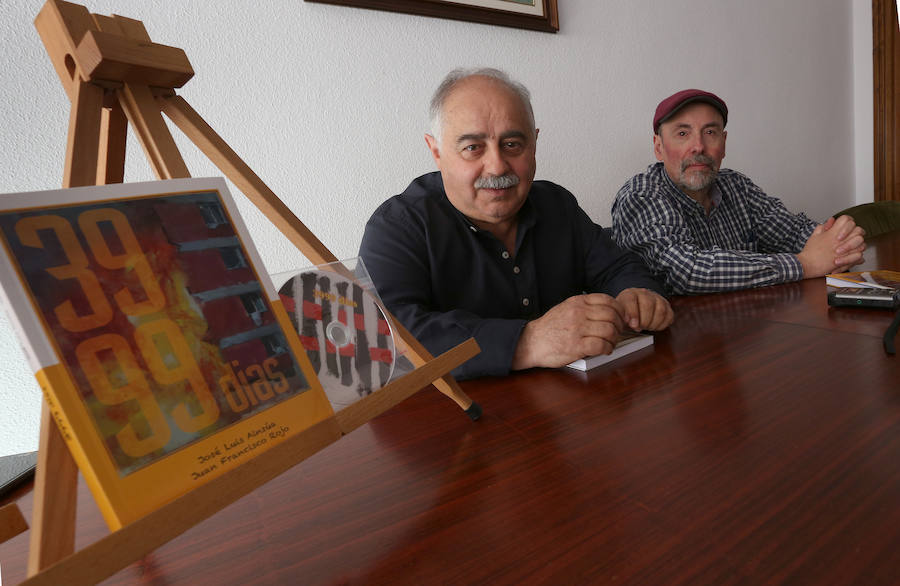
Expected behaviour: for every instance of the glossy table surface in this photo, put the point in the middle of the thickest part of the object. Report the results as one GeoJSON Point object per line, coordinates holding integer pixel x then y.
{"type": "Point", "coordinates": [757, 441]}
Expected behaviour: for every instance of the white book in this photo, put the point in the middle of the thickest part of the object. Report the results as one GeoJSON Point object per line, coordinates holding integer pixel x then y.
{"type": "Point", "coordinates": [625, 346]}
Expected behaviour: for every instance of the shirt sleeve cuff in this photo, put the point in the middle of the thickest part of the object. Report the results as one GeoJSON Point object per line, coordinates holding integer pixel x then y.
{"type": "Point", "coordinates": [788, 266]}
{"type": "Point", "coordinates": [497, 339]}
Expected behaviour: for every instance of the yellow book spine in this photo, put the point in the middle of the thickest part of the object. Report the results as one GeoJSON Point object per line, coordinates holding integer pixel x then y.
{"type": "Point", "coordinates": [57, 387]}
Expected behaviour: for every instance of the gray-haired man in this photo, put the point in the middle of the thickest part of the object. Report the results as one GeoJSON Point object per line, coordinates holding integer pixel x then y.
{"type": "Point", "coordinates": [481, 249]}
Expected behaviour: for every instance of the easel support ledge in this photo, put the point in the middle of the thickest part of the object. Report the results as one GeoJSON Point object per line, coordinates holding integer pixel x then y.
{"type": "Point", "coordinates": [114, 552]}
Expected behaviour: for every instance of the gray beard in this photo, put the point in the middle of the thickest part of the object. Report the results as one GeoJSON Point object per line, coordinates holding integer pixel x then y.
{"type": "Point", "coordinates": [698, 181]}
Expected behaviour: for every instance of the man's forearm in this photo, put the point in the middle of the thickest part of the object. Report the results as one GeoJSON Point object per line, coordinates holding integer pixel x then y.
{"type": "Point", "coordinates": [439, 332]}
{"type": "Point", "coordinates": [709, 271]}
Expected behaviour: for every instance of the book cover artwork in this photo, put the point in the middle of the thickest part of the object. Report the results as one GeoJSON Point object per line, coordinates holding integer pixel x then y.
{"type": "Point", "coordinates": [155, 337]}
{"type": "Point", "coordinates": [878, 279]}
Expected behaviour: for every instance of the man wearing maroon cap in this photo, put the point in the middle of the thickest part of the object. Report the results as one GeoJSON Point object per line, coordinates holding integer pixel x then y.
{"type": "Point", "coordinates": [702, 229]}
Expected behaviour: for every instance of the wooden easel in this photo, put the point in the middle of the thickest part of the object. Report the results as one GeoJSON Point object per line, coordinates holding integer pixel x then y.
{"type": "Point", "coordinates": [115, 75]}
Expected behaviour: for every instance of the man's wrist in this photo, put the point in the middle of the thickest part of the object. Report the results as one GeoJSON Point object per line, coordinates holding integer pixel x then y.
{"type": "Point", "coordinates": [522, 354]}
{"type": "Point", "coordinates": [804, 269]}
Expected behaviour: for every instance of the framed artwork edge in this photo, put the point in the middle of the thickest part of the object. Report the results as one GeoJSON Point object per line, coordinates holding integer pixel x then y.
{"type": "Point", "coordinates": [548, 22]}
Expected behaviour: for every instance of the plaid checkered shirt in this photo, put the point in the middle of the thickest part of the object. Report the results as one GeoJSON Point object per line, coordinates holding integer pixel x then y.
{"type": "Point", "coordinates": [748, 240]}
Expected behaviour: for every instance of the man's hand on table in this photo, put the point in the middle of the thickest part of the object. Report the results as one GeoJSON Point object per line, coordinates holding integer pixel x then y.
{"type": "Point", "coordinates": [645, 310]}
{"type": "Point", "coordinates": [585, 325]}
{"type": "Point", "coordinates": [834, 247]}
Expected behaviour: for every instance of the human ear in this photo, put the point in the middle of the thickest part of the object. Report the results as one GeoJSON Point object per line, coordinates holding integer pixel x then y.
{"type": "Point", "coordinates": [435, 150]}
{"type": "Point", "coordinates": [657, 147]}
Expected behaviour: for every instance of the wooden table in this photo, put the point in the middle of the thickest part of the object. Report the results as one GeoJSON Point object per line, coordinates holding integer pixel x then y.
{"type": "Point", "coordinates": [757, 442]}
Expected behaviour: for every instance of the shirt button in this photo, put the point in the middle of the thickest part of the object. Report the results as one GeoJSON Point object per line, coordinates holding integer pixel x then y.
{"type": "Point", "coordinates": [516, 270]}
{"type": "Point", "coordinates": [525, 302]}
{"type": "Point", "coordinates": [504, 254]}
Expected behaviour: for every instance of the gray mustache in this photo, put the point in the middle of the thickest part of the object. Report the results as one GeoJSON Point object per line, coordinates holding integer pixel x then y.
{"type": "Point", "coordinates": [497, 181]}
{"type": "Point", "coordinates": [703, 159]}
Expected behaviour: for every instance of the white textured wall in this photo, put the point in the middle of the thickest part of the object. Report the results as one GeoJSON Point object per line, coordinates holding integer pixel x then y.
{"type": "Point", "coordinates": [863, 107]}
{"type": "Point", "coordinates": [326, 104]}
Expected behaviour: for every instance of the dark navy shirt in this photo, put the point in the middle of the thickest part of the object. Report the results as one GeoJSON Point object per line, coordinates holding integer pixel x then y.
{"type": "Point", "coordinates": [447, 280]}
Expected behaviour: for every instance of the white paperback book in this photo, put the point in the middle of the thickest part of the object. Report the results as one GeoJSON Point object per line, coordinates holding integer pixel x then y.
{"type": "Point", "coordinates": [625, 346]}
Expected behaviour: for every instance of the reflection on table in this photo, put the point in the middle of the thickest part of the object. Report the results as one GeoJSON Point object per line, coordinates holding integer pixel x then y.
{"type": "Point", "coordinates": [756, 441]}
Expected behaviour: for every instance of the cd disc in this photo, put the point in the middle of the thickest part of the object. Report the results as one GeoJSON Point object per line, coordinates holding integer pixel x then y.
{"type": "Point", "coordinates": [344, 331]}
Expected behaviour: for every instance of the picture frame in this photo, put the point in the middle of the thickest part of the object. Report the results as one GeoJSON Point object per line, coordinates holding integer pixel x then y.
{"type": "Point", "coordinates": [538, 15]}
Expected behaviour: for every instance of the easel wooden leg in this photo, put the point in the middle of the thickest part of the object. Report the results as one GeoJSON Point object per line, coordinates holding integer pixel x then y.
{"type": "Point", "coordinates": [159, 146]}
{"type": "Point", "coordinates": [222, 156]}
{"type": "Point", "coordinates": [218, 151]}
{"type": "Point", "coordinates": [83, 143]}
{"type": "Point", "coordinates": [446, 384]}
{"type": "Point", "coordinates": [53, 518]}
{"type": "Point", "coordinates": [113, 136]}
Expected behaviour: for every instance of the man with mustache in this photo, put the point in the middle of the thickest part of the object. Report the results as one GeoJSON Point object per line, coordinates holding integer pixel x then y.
{"type": "Point", "coordinates": [703, 229]}
{"type": "Point", "coordinates": [481, 249]}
